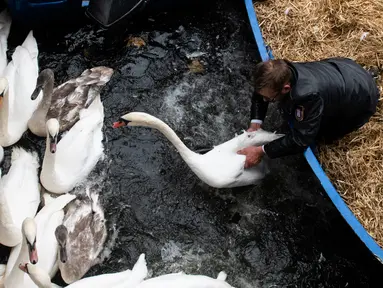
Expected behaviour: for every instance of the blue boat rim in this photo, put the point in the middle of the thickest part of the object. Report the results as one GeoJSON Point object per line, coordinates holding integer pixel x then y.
{"type": "Point", "coordinates": [266, 54]}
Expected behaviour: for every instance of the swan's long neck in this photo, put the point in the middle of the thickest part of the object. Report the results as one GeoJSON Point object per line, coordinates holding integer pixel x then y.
{"type": "Point", "coordinates": [14, 272]}
{"type": "Point", "coordinates": [4, 114]}
{"type": "Point", "coordinates": [185, 152]}
{"type": "Point", "coordinates": [49, 158]}
{"type": "Point", "coordinates": [45, 103]}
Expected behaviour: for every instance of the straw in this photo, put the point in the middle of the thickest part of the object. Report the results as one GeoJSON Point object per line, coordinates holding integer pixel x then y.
{"type": "Point", "coordinates": [303, 30]}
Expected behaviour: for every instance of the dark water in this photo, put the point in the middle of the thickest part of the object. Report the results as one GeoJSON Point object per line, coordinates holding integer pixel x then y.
{"type": "Point", "coordinates": [283, 233]}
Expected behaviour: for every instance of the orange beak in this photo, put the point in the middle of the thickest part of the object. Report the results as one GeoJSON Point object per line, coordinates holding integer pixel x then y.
{"type": "Point", "coordinates": [1, 101]}
{"type": "Point", "coordinates": [119, 124]}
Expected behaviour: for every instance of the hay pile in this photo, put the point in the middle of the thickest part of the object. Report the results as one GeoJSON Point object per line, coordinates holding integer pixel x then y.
{"type": "Point", "coordinates": [303, 30]}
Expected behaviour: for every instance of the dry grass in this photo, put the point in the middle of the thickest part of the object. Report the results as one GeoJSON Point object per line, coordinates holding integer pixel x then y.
{"type": "Point", "coordinates": [303, 30]}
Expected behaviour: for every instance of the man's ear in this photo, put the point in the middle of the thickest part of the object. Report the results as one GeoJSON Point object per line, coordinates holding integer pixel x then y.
{"type": "Point", "coordinates": [286, 88]}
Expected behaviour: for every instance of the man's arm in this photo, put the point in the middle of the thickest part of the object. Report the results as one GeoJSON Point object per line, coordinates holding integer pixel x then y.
{"type": "Point", "coordinates": [258, 108]}
{"type": "Point", "coordinates": [303, 132]}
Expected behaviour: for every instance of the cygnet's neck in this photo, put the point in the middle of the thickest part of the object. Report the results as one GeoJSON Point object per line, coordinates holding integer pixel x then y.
{"type": "Point", "coordinates": [45, 103]}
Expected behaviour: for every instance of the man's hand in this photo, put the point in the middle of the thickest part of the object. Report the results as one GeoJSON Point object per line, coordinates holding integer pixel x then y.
{"type": "Point", "coordinates": [253, 155]}
{"type": "Point", "coordinates": [254, 127]}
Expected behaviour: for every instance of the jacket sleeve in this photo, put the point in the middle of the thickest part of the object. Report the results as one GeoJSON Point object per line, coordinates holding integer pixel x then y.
{"type": "Point", "coordinates": [303, 131]}
{"type": "Point", "coordinates": [258, 107]}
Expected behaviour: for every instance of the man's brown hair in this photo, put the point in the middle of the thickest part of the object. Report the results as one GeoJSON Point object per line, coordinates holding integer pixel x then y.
{"type": "Point", "coordinates": [272, 73]}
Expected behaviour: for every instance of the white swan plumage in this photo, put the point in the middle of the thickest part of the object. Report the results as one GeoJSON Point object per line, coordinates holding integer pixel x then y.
{"type": "Point", "coordinates": [19, 195]}
{"type": "Point", "coordinates": [16, 86]}
{"type": "Point", "coordinates": [68, 162]}
{"type": "Point", "coordinates": [221, 167]}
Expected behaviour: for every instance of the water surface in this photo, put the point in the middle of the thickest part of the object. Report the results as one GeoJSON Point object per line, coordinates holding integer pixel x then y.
{"type": "Point", "coordinates": [284, 232]}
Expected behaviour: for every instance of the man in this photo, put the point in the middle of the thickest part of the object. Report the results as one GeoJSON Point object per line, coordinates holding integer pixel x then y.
{"type": "Point", "coordinates": [324, 99]}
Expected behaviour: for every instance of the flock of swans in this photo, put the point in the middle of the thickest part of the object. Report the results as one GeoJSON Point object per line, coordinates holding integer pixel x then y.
{"type": "Point", "coordinates": [69, 230]}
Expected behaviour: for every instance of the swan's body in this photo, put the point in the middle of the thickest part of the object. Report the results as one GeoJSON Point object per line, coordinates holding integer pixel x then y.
{"type": "Point", "coordinates": [19, 195]}
{"type": "Point", "coordinates": [177, 280]}
{"type": "Point", "coordinates": [77, 152]}
{"type": "Point", "coordinates": [81, 238]}
{"type": "Point", "coordinates": [67, 100]}
{"type": "Point", "coordinates": [16, 85]}
{"type": "Point", "coordinates": [125, 279]}
{"type": "Point", "coordinates": [221, 167]}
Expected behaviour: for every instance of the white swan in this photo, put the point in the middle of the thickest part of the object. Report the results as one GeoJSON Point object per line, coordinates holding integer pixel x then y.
{"type": "Point", "coordinates": [67, 100]}
{"type": "Point", "coordinates": [5, 27]}
{"type": "Point", "coordinates": [47, 220]}
{"type": "Point", "coordinates": [178, 280]}
{"type": "Point", "coordinates": [45, 223]}
{"type": "Point", "coordinates": [221, 167]}
{"type": "Point", "coordinates": [81, 237]}
{"type": "Point", "coordinates": [77, 152]}
{"type": "Point", "coordinates": [16, 86]}
{"type": "Point", "coordinates": [125, 279]}
{"type": "Point", "coordinates": [26, 250]}
{"type": "Point", "coordinates": [19, 195]}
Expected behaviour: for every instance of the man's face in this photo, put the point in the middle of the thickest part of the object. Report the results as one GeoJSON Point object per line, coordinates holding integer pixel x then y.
{"type": "Point", "coordinates": [270, 95]}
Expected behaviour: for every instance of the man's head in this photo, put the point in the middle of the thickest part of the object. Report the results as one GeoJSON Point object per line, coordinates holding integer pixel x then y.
{"type": "Point", "coordinates": [272, 79]}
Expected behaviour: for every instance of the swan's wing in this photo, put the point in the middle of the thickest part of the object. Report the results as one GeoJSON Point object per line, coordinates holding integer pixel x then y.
{"type": "Point", "coordinates": [19, 193]}
{"type": "Point", "coordinates": [22, 73]}
{"type": "Point", "coordinates": [9, 73]}
{"type": "Point", "coordinates": [24, 83]}
{"type": "Point", "coordinates": [10, 235]}
{"type": "Point", "coordinates": [52, 207]}
{"type": "Point", "coordinates": [70, 98]}
{"type": "Point", "coordinates": [46, 241]}
{"type": "Point", "coordinates": [21, 185]}
{"type": "Point", "coordinates": [67, 100]}
{"type": "Point", "coordinates": [83, 143]}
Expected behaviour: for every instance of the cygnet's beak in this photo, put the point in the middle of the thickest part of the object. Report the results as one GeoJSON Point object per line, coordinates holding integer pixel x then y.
{"type": "Point", "coordinates": [63, 255]}
{"type": "Point", "coordinates": [36, 92]}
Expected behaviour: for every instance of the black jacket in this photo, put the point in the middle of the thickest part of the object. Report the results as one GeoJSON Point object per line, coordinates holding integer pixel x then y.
{"type": "Point", "coordinates": [323, 92]}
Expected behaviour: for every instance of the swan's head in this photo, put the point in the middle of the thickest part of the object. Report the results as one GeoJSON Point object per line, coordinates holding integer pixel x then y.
{"type": "Point", "coordinates": [61, 234]}
{"type": "Point", "coordinates": [3, 88]}
{"type": "Point", "coordinates": [53, 128]}
{"type": "Point", "coordinates": [29, 231]}
{"type": "Point", "coordinates": [46, 76]}
{"type": "Point", "coordinates": [137, 119]}
{"type": "Point", "coordinates": [38, 275]}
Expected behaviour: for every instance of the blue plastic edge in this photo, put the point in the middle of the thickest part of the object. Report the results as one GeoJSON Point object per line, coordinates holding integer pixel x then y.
{"type": "Point", "coordinates": [342, 207]}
